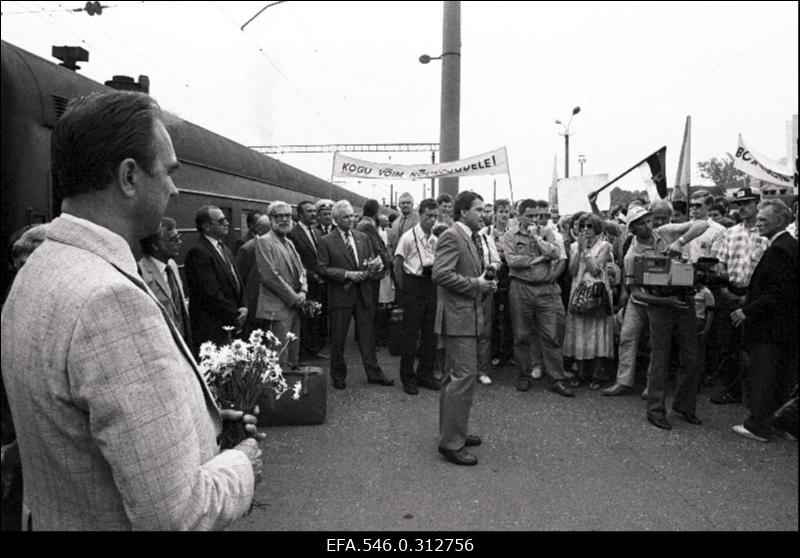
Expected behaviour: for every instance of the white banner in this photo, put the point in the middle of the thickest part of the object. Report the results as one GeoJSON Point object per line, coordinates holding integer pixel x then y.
{"type": "Point", "coordinates": [758, 166]}
{"type": "Point", "coordinates": [573, 193]}
{"type": "Point", "coordinates": [494, 162]}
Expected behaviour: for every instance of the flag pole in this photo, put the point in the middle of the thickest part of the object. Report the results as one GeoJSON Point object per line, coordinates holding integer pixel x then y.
{"type": "Point", "coordinates": [607, 184]}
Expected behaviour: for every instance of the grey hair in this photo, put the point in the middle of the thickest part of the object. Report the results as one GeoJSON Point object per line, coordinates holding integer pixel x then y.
{"type": "Point", "coordinates": [273, 207]}
{"type": "Point", "coordinates": [339, 206]}
{"type": "Point", "coordinates": [780, 208]}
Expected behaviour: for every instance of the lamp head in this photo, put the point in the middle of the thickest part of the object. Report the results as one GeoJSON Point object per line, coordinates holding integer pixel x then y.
{"type": "Point", "coordinates": [576, 110]}
{"type": "Point", "coordinates": [424, 59]}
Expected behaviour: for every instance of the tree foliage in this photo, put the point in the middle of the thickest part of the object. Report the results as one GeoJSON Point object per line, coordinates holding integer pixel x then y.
{"type": "Point", "coordinates": [722, 173]}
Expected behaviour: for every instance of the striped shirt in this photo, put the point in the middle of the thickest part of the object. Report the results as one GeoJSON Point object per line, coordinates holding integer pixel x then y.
{"type": "Point", "coordinates": [740, 251]}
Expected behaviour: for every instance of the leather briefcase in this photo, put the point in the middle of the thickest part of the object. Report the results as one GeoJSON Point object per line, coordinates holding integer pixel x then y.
{"type": "Point", "coordinates": [309, 409]}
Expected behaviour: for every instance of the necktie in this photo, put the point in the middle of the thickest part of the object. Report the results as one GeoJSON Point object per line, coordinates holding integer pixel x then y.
{"type": "Point", "coordinates": [313, 238]}
{"type": "Point", "coordinates": [231, 266]}
{"type": "Point", "coordinates": [479, 247]}
{"type": "Point", "coordinates": [402, 226]}
{"type": "Point", "coordinates": [177, 300]}
{"type": "Point", "coordinates": [348, 239]}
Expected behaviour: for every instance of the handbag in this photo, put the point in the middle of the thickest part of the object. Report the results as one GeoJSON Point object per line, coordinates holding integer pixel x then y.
{"type": "Point", "coordinates": [591, 299]}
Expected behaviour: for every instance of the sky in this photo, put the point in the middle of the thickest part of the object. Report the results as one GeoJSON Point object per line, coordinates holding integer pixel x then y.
{"type": "Point", "coordinates": [348, 72]}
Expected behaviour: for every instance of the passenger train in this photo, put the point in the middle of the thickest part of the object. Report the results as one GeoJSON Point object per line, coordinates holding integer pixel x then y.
{"type": "Point", "coordinates": [214, 170]}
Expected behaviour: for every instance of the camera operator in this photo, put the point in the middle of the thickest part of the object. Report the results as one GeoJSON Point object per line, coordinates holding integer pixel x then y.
{"type": "Point", "coordinates": [665, 311]}
{"type": "Point", "coordinates": [739, 253]}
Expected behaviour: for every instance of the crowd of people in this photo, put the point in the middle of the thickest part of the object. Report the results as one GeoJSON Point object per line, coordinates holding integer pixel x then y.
{"type": "Point", "coordinates": [99, 352]}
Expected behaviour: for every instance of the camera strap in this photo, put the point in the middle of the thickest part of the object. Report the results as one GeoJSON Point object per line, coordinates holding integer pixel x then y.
{"type": "Point", "coordinates": [416, 242]}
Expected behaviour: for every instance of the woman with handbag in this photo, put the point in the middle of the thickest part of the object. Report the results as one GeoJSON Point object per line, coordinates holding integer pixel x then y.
{"type": "Point", "coordinates": [590, 325]}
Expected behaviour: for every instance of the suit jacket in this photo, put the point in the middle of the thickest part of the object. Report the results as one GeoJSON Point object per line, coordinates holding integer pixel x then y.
{"type": "Point", "coordinates": [281, 278]}
{"type": "Point", "coordinates": [368, 227]}
{"type": "Point", "coordinates": [334, 259]}
{"type": "Point", "coordinates": [456, 268]}
{"type": "Point", "coordinates": [307, 251]}
{"type": "Point", "coordinates": [160, 288]}
{"type": "Point", "coordinates": [771, 304]}
{"type": "Point", "coordinates": [248, 272]}
{"type": "Point", "coordinates": [214, 294]}
{"type": "Point", "coordinates": [395, 231]}
{"type": "Point", "coordinates": [116, 426]}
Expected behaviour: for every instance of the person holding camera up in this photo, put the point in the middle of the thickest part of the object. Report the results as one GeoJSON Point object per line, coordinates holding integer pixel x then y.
{"type": "Point", "coordinates": [666, 309]}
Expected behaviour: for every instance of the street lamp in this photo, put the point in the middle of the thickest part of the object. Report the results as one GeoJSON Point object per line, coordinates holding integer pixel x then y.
{"type": "Point", "coordinates": [565, 133]}
{"type": "Point", "coordinates": [581, 160]}
{"type": "Point", "coordinates": [449, 125]}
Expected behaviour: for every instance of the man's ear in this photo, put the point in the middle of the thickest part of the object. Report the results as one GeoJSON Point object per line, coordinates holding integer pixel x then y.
{"type": "Point", "coordinates": [127, 177]}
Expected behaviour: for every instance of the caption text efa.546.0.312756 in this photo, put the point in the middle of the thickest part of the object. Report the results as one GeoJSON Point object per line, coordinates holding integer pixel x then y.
{"type": "Point", "coordinates": [399, 545]}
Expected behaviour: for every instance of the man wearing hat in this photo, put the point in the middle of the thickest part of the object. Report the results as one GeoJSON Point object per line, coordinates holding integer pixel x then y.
{"type": "Point", "coordinates": [664, 313]}
{"type": "Point", "coordinates": [738, 253]}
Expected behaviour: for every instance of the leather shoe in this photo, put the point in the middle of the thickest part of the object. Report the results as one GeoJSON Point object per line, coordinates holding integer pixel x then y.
{"type": "Point", "coordinates": [617, 389]}
{"type": "Point", "coordinates": [381, 380]}
{"type": "Point", "coordinates": [472, 440]}
{"type": "Point", "coordinates": [339, 384]}
{"type": "Point", "coordinates": [459, 457]}
{"type": "Point", "coordinates": [430, 384]}
{"type": "Point", "coordinates": [410, 389]}
{"type": "Point", "coordinates": [724, 398]}
{"type": "Point", "coordinates": [524, 383]}
{"type": "Point", "coordinates": [691, 418]}
{"type": "Point", "coordinates": [659, 422]}
{"type": "Point", "coordinates": [561, 389]}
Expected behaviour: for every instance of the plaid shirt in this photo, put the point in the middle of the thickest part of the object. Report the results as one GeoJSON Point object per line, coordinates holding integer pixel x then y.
{"type": "Point", "coordinates": [740, 250]}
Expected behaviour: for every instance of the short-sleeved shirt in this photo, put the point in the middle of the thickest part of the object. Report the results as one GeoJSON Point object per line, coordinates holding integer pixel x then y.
{"type": "Point", "coordinates": [703, 300]}
{"type": "Point", "coordinates": [661, 240]}
{"type": "Point", "coordinates": [705, 245]}
{"type": "Point", "coordinates": [416, 249]}
{"type": "Point", "coordinates": [740, 251]}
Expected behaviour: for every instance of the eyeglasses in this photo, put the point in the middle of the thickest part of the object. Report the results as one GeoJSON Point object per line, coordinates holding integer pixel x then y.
{"type": "Point", "coordinates": [582, 227]}
{"type": "Point", "coordinates": [176, 238]}
{"type": "Point", "coordinates": [222, 221]}
{"type": "Point", "coordinates": [696, 205]}
{"type": "Point", "coordinates": [283, 216]}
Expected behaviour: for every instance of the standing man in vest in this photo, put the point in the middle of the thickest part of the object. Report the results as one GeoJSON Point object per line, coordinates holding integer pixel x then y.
{"type": "Point", "coordinates": [459, 275]}
{"type": "Point", "coordinates": [216, 293]}
{"type": "Point", "coordinates": [160, 273]}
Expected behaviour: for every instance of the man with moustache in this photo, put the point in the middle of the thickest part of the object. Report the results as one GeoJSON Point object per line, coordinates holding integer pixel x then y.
{"type": "Point", "coordinates": [282, 281]}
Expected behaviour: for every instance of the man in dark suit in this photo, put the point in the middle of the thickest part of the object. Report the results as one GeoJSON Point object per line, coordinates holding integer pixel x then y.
{"type": "Point", "coordinates": [458, 271]}
{"type": "Point", "coordinates": [252, 232]}
{"type": "Point", "coordinates": [305, 236]}
{"type": "Point", "coordinates": [769, 318]}
{"type": "Point", "coordinates": [368, 226]}
{"type": "Point", "coordinates": [160, 272]}
{"type": "Point", "coordinates": [342, 254]}
{"type": "Point", "coordinates": [216, 294]}
{"type": "Point", "coordinates": [248, 272]}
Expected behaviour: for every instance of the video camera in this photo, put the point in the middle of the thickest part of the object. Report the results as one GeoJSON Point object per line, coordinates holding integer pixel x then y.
{"type": "Point", "coordinates": [665, 272]}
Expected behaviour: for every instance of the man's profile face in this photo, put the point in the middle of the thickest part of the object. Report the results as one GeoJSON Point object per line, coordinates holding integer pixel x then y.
{"type": "Point", "coordinates": [170, 242]}
{"type": "Point", "coordinates": [768, 222]}
{"type": "Point", "coordinates": [472, 218]}
{"type": "Point", "coordinates": [157, 186]}
{"type": "Point", "coordinates": [217, 225]}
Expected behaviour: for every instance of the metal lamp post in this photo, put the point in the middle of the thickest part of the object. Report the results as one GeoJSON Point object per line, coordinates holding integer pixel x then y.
{"type": "Point", "coordinates": [565, 133]}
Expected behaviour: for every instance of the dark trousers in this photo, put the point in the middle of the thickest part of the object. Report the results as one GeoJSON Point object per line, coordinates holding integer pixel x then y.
{"type": "Point", "coordinates": [725, 347]}
{"type": "Point", "coordinates": [340, 322]}
{"type": "Point", "coordinates": [313, 331]}
{"type": "Point", "coordinates": [419, 314]}
{"type": "Point", "coordinates": [663, 320]}
{"type": "Point", "coordinates": [771, 377]}
{"type": "Point", "coordinates": [502, 336]}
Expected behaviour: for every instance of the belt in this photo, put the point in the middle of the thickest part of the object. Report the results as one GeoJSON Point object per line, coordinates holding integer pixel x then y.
{"type": "Point", "coordinates": [530, 283]}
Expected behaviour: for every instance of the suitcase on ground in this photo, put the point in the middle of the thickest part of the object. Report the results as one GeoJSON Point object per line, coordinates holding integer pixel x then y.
{"type": "Point", "coordinates": [309, 409]}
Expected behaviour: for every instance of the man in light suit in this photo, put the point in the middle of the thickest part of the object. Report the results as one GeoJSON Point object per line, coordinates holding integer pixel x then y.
{"type": "Point", "coordinates": [117, 429]}
{"type": "Point", "coordinates": [248, 271]}
{"type": "Point", "coordinates": [216, 292]}
{"type": "Point", "coordinates": [282, 281]}
{"type": "Point", "coordinates": [160, 272]}
{"type": "Point", "coordinates": [458, 271]}
{"type": "Point", "coordinates": [341, 256]}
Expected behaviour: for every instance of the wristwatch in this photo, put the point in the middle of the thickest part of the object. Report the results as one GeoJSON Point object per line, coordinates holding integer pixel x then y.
{"type": "Point", "coordinates": [682, 241]}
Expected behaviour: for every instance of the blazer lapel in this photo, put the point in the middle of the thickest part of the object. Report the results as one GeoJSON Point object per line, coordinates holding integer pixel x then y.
{"type": "Point", "coordinates": [226, 270]}
{"type": "Point", "coordinates": [159, 279]}
{"type": "Point", "coordinates": [471, 247]}
{"type": "Point", "coordinates": [345, 250]}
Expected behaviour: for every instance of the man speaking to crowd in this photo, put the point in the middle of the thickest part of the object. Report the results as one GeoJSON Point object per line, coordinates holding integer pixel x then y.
{"type": "Point", "coordinates": [117, 429]}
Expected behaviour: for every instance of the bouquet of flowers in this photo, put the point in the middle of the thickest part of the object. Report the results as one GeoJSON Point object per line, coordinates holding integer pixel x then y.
{"type": "Point", "coordinates": [373, 266]}
{"type": "Point", "coordinates": [240, 372]}
{"type": "Point", "coordinates": [311, 308]}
